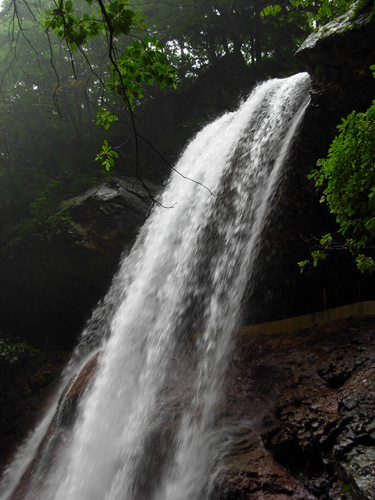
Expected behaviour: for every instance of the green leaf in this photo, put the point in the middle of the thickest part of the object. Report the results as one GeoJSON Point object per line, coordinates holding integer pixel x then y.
{"type": "Point", "coordinates": [271, 10]}
{"type": "Point", "coordinates": [303, 264]}
{"type": "Point", "coordinates": [345, 489]}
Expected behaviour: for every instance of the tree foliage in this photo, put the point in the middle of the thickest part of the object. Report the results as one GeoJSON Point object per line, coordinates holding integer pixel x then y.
{"type": "Point", "coordinates": [68, 65]}
{"type": "Point", "coordinates": [199, 32]}
{"type": "Point", "coordinates": [322, 11]}
{"type": "Point", "coordinates": [65, 67]}
{"type": "Point", "coordinates": [142, 61]}
{"type": "Point", "coordinates": [47, 116]}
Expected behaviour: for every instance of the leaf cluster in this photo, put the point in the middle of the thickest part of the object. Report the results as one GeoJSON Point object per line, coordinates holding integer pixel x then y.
{"type": "Point", "coordinates": [76, 29]}
{"type": "Point", "coordinates": [323, 10]}
{"type": "Point", "coordinates": [106, 156]}
{"type": "Point", "coordinates": [142, 62]}
{"type": "Point", "coordinates": [347, 177]}
{"type": "Point", "coordinates": [12, 352]}
{"type": "Point", "coordinates": [348, 174]}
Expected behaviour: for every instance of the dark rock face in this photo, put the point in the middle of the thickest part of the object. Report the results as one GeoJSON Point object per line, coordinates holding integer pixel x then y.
{"type": "Point", "coordinates": [303, 407]}
{"type": "Point", "coordinates": [339, 54]}
{"type": "Point", "coordinates": [49, 286]}
{"type": "Point", "coordinates": [297, 220]}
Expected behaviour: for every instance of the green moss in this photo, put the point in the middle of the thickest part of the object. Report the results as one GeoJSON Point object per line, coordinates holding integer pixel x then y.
{"type": "Point", "coordinates": [345, 489]}
{"type": "Point", "coordinates": [40, 227]}
{"type": "Point", "coordinates": [34, 402]}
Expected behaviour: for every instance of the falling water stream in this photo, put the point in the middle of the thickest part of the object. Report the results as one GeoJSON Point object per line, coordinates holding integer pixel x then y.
{"type": "Point", "coordinates": [146, 428]}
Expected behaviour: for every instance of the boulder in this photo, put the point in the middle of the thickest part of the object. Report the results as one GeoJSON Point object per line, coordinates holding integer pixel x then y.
{"type": "Point", "coordinates": [50, 285]}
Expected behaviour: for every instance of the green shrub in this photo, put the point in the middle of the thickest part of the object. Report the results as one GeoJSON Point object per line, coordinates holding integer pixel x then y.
{"type": "Point", "coordinates": [13, 351]}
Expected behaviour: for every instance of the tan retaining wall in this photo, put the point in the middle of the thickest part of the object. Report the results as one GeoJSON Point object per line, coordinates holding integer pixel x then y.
{"type": "Point", "coordinates": [308, 320]}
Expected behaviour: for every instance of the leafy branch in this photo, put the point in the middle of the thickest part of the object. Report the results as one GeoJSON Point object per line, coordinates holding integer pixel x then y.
{"type": "Point", "coordinates": [347, 177]}
{"type": "Point", "coordinates": [327, 9]}
{"type": "Point", "coordinates": [143, 62]}
{"type": "Point", "coordinates": [107, 155]}
{"type": "Point", "coordinates": [326, 244]}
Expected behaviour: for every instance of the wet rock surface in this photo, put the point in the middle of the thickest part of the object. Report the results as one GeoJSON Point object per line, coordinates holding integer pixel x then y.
{"type": "Point", "coordinates": [297, 419]}
{"type": "Point", "coordinates": [301, 412]}
{"type": "Point", "coordinates": [58, 433]}
{"type": "Point", "coordinates": [68, 402]}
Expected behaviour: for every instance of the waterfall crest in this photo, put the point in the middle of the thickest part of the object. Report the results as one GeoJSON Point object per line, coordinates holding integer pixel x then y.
{"type": "Point", "coordinates": [146, 428]}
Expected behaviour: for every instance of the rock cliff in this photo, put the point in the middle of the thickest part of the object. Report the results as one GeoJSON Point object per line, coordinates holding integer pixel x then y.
{"type": "Point", "coordinates": [302, 406]}
{"type": "Point", "coordinates": [25, 390]}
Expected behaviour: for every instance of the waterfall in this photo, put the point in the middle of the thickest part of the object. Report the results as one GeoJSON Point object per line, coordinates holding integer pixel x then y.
{"type": "Point", "coordinates": [147, 426]}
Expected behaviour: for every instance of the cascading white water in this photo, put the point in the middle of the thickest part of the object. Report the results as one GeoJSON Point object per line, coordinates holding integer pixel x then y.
{"type": "Point", "coordinates": [146, 426]}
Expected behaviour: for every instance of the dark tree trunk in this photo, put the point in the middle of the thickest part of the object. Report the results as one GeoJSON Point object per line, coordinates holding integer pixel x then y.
{"type": "Point", "coordinates": [258, 34]}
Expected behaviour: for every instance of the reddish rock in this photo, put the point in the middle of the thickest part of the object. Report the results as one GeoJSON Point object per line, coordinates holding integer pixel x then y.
{"type": "Point", "coordinates": [68, 403]}
{"type": "Point", "coordinates": [57, 433]}
{"type": "Point", "coordinates": [303, 409]}
{"type": "Point", "coordinates": [299, 413]}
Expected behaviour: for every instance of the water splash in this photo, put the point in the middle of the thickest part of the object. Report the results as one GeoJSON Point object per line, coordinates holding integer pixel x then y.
{"type": "Point", "coordinates": [146, 426]}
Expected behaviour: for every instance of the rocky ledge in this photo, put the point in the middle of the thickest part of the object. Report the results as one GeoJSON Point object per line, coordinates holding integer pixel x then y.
{"type": "Point", "coordinates": [301, 410]}
{"type": "Point", "coordinates": [339, 54]}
